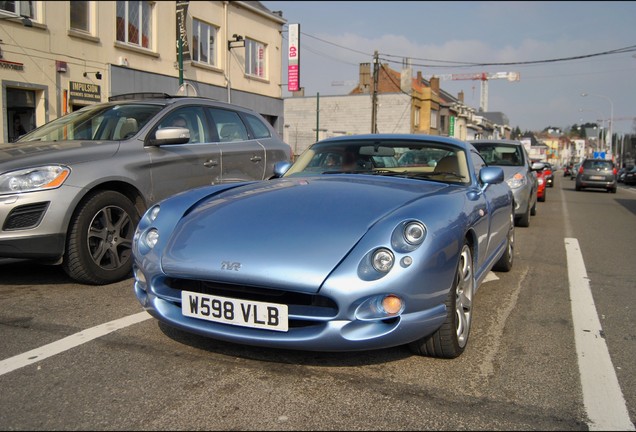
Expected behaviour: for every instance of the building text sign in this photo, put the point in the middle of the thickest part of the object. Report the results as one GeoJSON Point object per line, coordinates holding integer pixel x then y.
{"type": "Point", "coordinates": [85, 91]}
{"type": "Point", "coordinates": [293, 67]}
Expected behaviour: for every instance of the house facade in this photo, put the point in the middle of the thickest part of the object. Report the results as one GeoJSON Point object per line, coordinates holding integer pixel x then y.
{"type": "Point", "coordinates": [404, 104]}
{"type": "Point", "coordinates": [58, 56]}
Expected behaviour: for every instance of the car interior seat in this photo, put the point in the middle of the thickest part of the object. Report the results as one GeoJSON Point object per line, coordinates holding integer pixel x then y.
{"type": "Point", "coordinates": [128, 128]}
{"type": "Point", "coordinates": [447, 164]}
{"type": "Point", "coordinates": [229, 132]}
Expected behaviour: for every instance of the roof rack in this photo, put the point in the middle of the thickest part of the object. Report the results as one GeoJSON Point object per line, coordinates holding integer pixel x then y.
{"type": "Point", "coordinates": [143, 95]}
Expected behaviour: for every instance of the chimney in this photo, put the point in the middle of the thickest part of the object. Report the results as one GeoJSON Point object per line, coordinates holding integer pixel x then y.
{"type": "Point", "coordinates": [435, 85]}
{"type": "Point", "coordinates": [460, 96]}
{"type": "Point", "coordinates": [365, 75]}
{"type": "Point", "coordinates": [419, 77]}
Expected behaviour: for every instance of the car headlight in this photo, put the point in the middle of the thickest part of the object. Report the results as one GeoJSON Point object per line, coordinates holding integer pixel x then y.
{"type": "Point", "coordinates": [414, 233]}
{"type": "Point", "coordinates": [383, 260]}
{"type": "Point", "coordinates": [33, 179]}
{"type": "Point", "coordinates": [516, 181]}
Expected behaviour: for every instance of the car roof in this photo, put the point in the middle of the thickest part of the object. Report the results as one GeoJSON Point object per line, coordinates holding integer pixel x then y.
{"type": "Point", "coordinates": [166, 99]}
{"type": "Point", "coordinates": [496, 141]}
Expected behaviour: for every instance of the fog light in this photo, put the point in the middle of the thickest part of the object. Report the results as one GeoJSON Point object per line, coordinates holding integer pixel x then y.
{"type": "Point", "coordinates": [392, 304]}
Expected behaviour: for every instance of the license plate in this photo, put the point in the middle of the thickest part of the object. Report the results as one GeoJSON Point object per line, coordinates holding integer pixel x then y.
{"type": "Point", "coordinates": [244, 313]}
{"type": "Point", "coordinates": [597, 178]}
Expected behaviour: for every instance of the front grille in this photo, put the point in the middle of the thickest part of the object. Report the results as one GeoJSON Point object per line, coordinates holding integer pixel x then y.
{"type": "Point", "coordinates": [308, 309]}
{"type": "Point", "coordinates": [25, 217]}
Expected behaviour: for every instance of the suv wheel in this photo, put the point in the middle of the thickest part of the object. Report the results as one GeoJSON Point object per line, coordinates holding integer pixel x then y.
{"type": "Point", "coordinates": [99, 242]}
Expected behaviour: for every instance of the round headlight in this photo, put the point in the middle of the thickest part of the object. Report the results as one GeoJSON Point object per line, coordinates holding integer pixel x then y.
{"type": "Point", "coordinates": [414, 233]}
{"type": "Point", "coordinates": [151, 238]}
{"type": "Point", "coordinates": [153, 213]}
{"type": "Point", "coordinates": [383, 260]}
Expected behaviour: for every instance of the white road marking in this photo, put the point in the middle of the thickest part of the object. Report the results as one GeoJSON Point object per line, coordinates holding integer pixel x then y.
{"type": "Point", "coordinates": [69, 342]}
{"type": "Point", "coordinates": [602, 396]}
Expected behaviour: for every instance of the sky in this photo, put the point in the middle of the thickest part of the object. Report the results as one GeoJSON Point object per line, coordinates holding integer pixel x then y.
{"type": "Point", "coordinates": [560, 49]}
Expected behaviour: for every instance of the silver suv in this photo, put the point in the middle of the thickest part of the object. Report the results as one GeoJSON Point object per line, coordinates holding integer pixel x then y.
{"type": "Point", "coordinates": [597, 173]}
{"type": "Point", "coordinates": [512, 156]}
{"type": "Point", "coordinates": [72, 191]}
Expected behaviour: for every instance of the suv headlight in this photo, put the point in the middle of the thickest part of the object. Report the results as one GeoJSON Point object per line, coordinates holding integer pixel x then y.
{"type": "Point", "coordinates": [516, 181]}
{"type": "Point", "coordinates": [33, 179]}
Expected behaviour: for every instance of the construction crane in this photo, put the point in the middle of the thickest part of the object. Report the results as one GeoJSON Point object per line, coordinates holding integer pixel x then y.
{"type": "Point", "coordinates": [484, 77]}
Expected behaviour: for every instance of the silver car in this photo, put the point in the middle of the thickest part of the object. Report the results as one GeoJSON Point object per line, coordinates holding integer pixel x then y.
{"type": "Point", "coordinates": [73, 190]}
{"type": "Point", "coordinates": [512, 156]}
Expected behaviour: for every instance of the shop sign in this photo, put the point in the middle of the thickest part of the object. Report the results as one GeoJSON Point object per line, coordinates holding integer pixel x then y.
{"type": "Point", "coordinates": [5, 64]}
{"type": "Point", "coordinates": [85, 91]}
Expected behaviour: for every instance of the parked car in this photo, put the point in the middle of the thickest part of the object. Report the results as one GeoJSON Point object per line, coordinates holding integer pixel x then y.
{"type": "Point", "coordinates": [513, 158]}
{"type": "Point", "coordinates": [356, 258]}
{"type": "Point", "coordinates": [548, 173]}
{"type": "Point", "coordinates": [629, 177]}
{"type": "Point", "coordinates": [598, 174]}
{"type": "Point", "coordinates": [541, 170]}
{"type": "Point", "coordinates": [74, 189]}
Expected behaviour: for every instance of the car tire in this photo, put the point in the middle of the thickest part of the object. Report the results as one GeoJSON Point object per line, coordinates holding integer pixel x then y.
{"type": "Point", "coordinates": [524, 219]}
{"type": "Point", "coordinates": [533, 209]}
{"type": "Point", "coordinates": [99, 240]}
{"type": "Point", "coordinates": [450, 340]}
{"type": "Point", "coordinates": [505, 262]}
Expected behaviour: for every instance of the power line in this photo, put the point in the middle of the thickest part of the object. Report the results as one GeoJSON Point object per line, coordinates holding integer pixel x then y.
{"type": "Point", "coordinates": [631, 48]}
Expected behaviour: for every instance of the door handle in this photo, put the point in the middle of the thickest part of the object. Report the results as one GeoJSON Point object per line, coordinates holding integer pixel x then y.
{"type": "Point", "coordinates": [256, 158]}
{"type": "Point", "coordinates": [210, 163]}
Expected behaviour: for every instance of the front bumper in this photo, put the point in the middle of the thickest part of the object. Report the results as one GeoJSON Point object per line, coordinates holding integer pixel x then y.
{"type": "Point", "coordinates": [323, 335]}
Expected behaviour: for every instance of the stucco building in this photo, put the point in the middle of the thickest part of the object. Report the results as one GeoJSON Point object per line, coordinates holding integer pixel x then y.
{"type": "Point", "coordinates": [57, 56]}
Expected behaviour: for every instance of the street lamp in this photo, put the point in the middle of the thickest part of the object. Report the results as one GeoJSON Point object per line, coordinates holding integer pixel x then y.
{"type": "Point", "coordinates": [611, 120]}
{"type": "Point", "coordinates": [601, 119]}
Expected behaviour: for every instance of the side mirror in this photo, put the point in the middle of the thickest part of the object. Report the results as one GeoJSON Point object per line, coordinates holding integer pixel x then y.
{"type": "Point", "coordinates": [280, 168]}
{"type": "Point", "coordinates": [170, 135]}
{"type": "Point", "coordinates": [491, 175]}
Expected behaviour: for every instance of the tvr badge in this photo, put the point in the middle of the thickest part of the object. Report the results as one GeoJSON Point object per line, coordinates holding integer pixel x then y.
{"type": "Point", "coordinates": [227, 265]}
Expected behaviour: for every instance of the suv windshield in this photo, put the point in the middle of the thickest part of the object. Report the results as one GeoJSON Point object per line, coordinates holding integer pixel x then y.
{"type": "Point", "coordinates": [95, 123]}
{"type": "Point", "coordinates": [501, 154]}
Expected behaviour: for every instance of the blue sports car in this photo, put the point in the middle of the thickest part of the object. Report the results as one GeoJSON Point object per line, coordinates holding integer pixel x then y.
{"type": "Point", "coordinates": [344, 250]}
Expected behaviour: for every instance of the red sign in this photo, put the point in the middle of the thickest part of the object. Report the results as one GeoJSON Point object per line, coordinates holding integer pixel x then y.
{"type": "Point", "coordinates": [293, 68]}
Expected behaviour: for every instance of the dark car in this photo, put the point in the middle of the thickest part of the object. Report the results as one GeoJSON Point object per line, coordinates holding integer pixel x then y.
{"type": "Point", "coordinates": [333, 257]}
{"type": "Point", "coordinates": [630, 176]}
{"type": "Point", "coordinates": [548, 172]}
{"type": "Point", "coordinates": [74, 189]}
{"type": "Point", "coordinates": [596, 174]}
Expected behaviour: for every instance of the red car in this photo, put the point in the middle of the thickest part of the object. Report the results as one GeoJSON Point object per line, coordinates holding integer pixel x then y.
{"type": "Point", "coordinates": [542, 173]}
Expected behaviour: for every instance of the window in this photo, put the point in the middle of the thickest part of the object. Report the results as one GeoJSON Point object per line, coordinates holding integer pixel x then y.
{"type": "Point", "coordinates": [258, 127]}
{"type": "Point", "coordinates": [416, 118]}
{"type": "Point", "coordinates": [254, 58]}
{"type": "Point", "coordinates": [434, 119]}
{"type": "Point", "coordinates": [19, 8]}
{"type": "Point", "coordinates": [228, 125]}
{"type": "Point", "coordinates": [203, 42]}
{"type": "Point", "coordinates": [80, 16]}
{"type": "Point", "coordinates": [134, 19]}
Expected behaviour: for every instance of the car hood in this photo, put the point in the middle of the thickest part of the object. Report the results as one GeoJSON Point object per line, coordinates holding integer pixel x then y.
{"type": "Point", "coordinates": [34, 153]}
{"type": "Point", "coordinates": [288, 233]}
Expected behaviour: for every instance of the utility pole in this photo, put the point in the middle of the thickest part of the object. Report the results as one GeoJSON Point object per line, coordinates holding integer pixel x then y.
{"type": "Point", "coordinates": [374, 98]}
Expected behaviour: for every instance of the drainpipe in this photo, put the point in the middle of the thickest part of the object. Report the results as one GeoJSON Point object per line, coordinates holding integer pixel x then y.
{"type": "Point", "coordinates": [226, 74]}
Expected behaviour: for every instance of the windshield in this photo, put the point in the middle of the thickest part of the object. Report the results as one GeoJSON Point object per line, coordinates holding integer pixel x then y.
{"type": "Point", "coordinates": [501, 154]}
{"type": "Point", "coordinates": [96, 123]}
{"type": "Point", "coordinates": [389, 157]}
